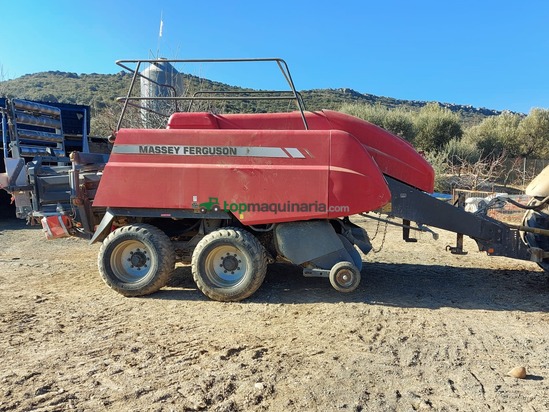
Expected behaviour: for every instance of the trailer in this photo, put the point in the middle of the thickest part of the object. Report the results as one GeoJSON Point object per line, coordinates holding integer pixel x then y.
{"type": "Point", "coordinates": [231, 193]}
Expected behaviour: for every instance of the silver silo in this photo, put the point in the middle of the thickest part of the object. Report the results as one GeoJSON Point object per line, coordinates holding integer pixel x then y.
{"type": "Point", "coordinates": [160, 79]}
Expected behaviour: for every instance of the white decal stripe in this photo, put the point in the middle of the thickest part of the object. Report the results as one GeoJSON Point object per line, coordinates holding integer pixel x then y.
{"type": "Point", "coordinates": [175, 150]}
{"type": "Point", "coordinates": [295, 153]}
{"type": "Point", "coordinates": [345, 170]}
{"type": "Point", "coordinates": [261, 152]}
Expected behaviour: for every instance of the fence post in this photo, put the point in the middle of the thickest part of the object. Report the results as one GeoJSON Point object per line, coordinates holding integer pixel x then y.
{"type": "Point", "coordinates": [524, 172]}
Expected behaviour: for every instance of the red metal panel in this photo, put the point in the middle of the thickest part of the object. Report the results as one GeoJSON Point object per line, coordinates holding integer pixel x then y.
{"type": "Point", "coordinates": [394, 156]}
{"type": "Point", "coordinates": [199, 120]}
{"type": "Point", "coordinates": [145, 180]}
{"type": "Point", "coordinates": [355, 181]}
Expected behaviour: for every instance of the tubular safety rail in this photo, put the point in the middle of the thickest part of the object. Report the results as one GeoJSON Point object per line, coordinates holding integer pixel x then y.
{"type": "Point", "coordinates": [134, 101]}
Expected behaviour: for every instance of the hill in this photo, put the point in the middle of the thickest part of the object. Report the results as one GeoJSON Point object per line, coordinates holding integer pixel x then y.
{"type": "Point", "coordinates": [100, 91]}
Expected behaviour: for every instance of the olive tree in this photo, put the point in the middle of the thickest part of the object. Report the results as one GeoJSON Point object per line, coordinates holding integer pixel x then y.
{"type": "Point", "coordinates": [533, 133]}
{"type": "Point", "coordinates": [435, 126]}
{"type": "Point", "coordinates": [497, 135]}
{"type": "Point", "coordinates": [397, 121]}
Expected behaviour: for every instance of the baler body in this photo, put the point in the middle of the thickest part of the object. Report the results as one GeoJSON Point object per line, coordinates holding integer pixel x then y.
{"type": "Point", "coordinates": [263, 168]}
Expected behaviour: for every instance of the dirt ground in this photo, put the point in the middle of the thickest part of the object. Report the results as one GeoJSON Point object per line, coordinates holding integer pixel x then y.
{"type": "Point", "coordinates": [425, 330]}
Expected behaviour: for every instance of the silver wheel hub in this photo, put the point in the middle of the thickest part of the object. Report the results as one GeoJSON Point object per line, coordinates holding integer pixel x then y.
{"type": "Point", "coordinates": [225, 266]}
{"type": "Point", "coordinates": [230, 263]}
{"type": "Point", "coordinates": [138, 259]}
{"type": "Point", "coordinates": [344, 277]}
{"type": "Point", "coordinates": [131, 261]}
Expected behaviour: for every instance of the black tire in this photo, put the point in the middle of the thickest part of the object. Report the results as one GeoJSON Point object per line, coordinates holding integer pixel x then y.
{"type": "Point", "coordinates": [344, 277]}
{"type": "Point", "coordinates": [229, 264]}
{"type": "Point", "coordinates": [136, 260]}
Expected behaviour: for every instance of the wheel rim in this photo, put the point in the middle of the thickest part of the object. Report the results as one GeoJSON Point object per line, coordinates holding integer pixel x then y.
{"type": "Point", "coordinates": [131, 261]}
{"type": "Point", "coordinates": [225, 266]}
{"type": "Point", "coordinates": [344, 277]}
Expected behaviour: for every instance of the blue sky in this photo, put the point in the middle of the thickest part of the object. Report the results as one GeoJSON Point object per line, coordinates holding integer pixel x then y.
{"type": "Point", "coordinates": [485, 53]}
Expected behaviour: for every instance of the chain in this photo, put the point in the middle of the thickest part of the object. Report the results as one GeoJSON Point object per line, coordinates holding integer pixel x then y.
{"type": "Point", "coordinates": [382, 240]}
{"type": "Point", "coordinates": [377, 229]}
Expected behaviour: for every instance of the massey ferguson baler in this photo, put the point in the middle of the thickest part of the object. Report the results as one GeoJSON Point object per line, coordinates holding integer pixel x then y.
{"type": "Point", "coordinates": [231, 193]}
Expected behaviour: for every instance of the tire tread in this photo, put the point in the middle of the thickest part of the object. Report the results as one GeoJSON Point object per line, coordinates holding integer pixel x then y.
{"type": "Point", "coordinates": [259, 264]}
{"type": "Point", "coordinates": [163, 247]}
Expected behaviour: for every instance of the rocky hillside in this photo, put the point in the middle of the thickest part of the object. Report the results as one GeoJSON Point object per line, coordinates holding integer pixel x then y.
{"type": "Point", "coordinates": [100, 91]}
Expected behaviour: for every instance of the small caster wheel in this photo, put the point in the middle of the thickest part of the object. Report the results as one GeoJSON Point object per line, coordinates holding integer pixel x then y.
{"type": "Point", "coordinates": [344, 277]}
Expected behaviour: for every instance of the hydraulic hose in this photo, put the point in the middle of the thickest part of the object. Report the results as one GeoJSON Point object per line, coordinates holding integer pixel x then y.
{"type": "Point", "coordinates": [528, 207]}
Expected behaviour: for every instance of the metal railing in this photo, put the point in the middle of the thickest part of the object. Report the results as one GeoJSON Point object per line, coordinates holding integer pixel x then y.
{"type": "Point", "coordinates": [210, 95]}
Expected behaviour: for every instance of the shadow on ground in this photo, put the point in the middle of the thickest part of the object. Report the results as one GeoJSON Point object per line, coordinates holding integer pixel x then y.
{"type": "Point", "coordinates": [13, 223]}
{"type": "Point", "coordinates": [401, 285]}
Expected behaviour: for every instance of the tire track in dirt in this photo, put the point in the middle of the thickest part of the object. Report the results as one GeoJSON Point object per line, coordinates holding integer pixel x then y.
{"type": "Point", "coordinates": [424, 330]}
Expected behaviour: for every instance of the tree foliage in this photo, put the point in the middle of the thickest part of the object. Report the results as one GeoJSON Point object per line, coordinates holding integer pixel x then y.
{"type": "Point", "coordinates": [461, 151]}
{"type": "Point", "coordinates": [428, 129]}
{"type": "Point", "coordinates": [496, 135]}
{"type": "Point", "coordinates": [436, 126]}
{"type": "Point", "coordinates": [398, 121]}
{"type": "Point", "coordinates": [513, 134]}
{"type": "Point", "coordinates": [534, 134]}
